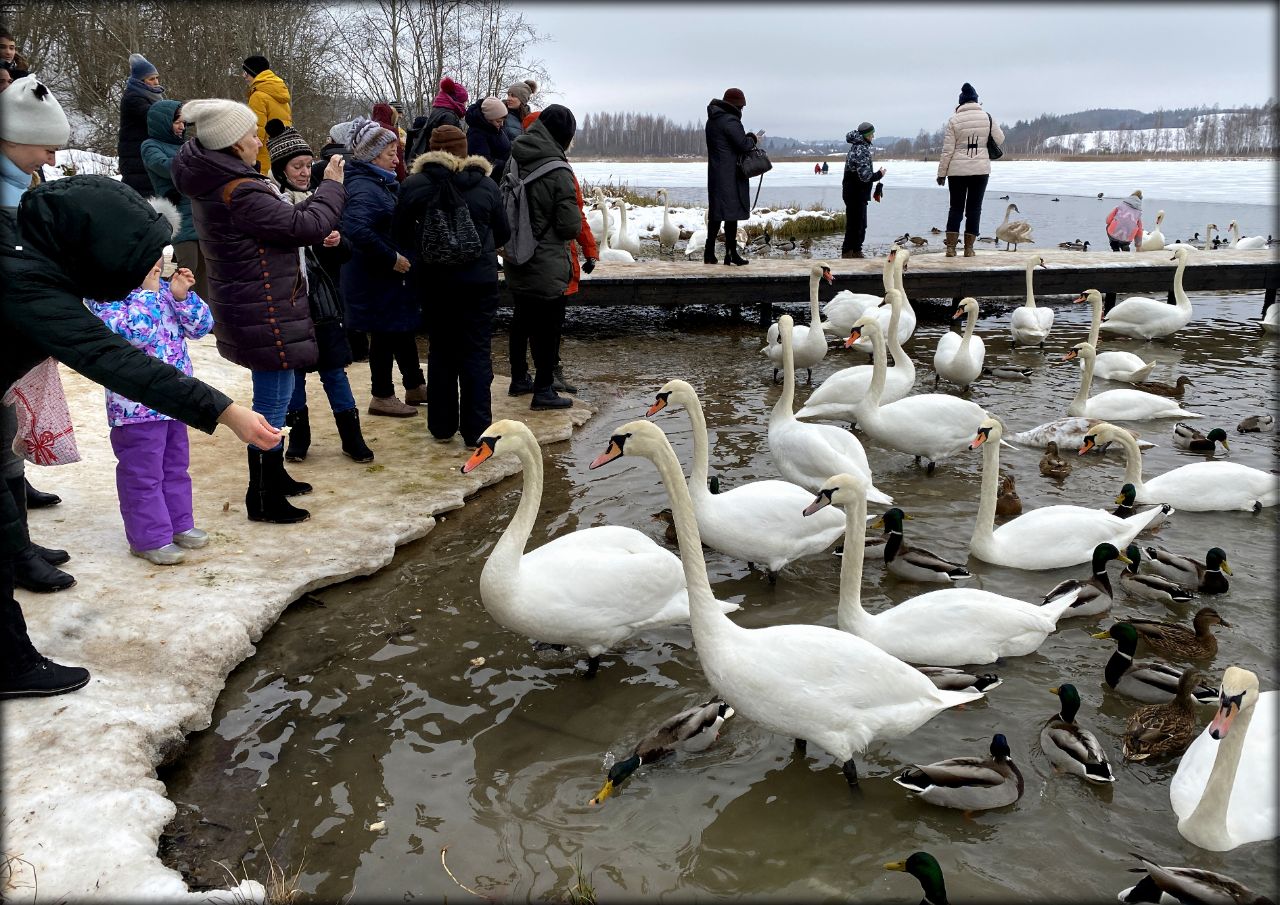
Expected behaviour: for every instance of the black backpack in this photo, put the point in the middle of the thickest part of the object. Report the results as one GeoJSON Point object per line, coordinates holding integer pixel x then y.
{"type": "Point", "coordinates": [446, 233]}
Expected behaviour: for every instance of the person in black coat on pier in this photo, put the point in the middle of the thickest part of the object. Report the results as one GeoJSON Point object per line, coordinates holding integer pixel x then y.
{"type": "Point", "coordinates": [728, 192]}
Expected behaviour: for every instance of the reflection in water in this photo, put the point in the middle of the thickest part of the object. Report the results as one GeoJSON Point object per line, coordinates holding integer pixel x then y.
{"type": "Point", "coordinates": [362, 706]}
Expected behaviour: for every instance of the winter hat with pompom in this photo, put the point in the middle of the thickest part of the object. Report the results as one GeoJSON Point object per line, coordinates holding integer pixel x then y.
{"type": "Point", "coordinates": [522, 91]}
{"type": "Point", "coordinates": [451, 96]}
{"type": "Point", "coordinates": [368, 139]}
{"type": "Point", "coordinates": [968, 94]}
{"type": "Point", "coordinates": [492, 108]}
{"type": "Point", "coordinates": [283, 144]}
{"type": "Point", "coordinates": [340, 133]}
{"type": "Point", "coordinates": [31, 115]}
{"type": "Point", "coordinates": [219, 123]}
{"type": "Point", "coordinates": [140, 67]}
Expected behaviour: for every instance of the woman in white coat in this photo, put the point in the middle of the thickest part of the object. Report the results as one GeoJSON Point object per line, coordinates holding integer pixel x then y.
{"type": "Point", "coordinates": [964, 167]}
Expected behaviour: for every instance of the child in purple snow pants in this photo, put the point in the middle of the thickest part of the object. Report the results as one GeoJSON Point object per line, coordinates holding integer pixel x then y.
{"type": "Point", "coordinates": [152, 453]}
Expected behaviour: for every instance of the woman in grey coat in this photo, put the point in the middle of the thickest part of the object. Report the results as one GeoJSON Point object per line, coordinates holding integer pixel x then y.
{"type": "Point", "coordinates": [728, 192]}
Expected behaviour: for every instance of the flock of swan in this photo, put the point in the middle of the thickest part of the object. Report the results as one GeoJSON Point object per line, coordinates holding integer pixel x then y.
{"type": "Point", "coordinates": [880, 676]}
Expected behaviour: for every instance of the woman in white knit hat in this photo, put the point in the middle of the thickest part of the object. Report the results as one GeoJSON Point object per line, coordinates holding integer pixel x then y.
{"type": "Point", "coordinates": [251, 237]}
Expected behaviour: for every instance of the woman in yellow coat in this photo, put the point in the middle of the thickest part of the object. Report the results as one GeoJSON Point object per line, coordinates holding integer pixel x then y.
{"type": "Point", "coordinates": [269, 99]}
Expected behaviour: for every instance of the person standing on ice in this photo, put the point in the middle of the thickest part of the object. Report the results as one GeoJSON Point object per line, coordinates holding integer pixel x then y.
{"type": "Point", "coordinates": [1124, 223]}
{"type": "Point", "coordinates": [856, 187]}
{"type": "Point", "coordinates": [964, 167]}
{"type": "Point", "coordinates": [728, 190]}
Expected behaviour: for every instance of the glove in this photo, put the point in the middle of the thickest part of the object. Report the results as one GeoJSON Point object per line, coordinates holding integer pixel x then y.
{"type": "Point", "coordinates": [879, 192]}
{"type": "Point", "coordinates": [942, 180]}
{"type": "Point", "coordinates": [588, 265]}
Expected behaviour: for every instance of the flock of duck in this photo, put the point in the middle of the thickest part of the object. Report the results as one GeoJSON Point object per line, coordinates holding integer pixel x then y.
{"type": "Point", "coordinates": [881, 676]}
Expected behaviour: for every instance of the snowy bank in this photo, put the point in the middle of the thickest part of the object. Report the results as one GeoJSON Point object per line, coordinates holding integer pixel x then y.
{"type": "Point", "coordinates": [83, 808]}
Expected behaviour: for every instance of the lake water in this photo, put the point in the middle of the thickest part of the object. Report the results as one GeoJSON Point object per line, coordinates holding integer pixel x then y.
{"type": "Point", "coordinates": [361, 706]}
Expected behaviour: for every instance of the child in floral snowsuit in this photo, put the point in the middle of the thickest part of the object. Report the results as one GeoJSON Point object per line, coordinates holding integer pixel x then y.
{"type": "Point", "coordinates": [151, 449]}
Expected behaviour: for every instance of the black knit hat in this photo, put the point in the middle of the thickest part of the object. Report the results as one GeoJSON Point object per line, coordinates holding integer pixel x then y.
{"type": "Point", "coordinates": [968, 94]}
{"type": "Point", "coordinates": [283, 144]}
{"type": "Point", "coordinates": [255, 65]}
{"type": "Point", "coordinates": [561, 123]}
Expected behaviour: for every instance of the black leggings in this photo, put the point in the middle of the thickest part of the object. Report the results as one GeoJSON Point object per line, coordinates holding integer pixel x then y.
{"type": "Point", "coordinates": [856, 195]}
{"type": "Point", "coordinates": [403, 348]}
{"type": "Point", "coordinates": [966, 200]}
{"type": "Point", "coordinates": [730, 236]}
{"type": "Point", "coordinates": [538, 323]}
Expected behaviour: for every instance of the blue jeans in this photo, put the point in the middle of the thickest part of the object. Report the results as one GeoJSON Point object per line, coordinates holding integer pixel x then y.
{"type": "Point", "coordinates": [336, 386]}
{"type": "Point", "coordinates": [271, 392]}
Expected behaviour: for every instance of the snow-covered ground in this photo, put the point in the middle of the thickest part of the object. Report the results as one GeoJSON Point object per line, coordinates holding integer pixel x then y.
{"type": "Point", "coordinates": [1210, 130]}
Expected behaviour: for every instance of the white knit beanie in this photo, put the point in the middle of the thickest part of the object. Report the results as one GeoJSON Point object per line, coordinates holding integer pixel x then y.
{"type": "Point", "coordinates": [219, 123]}
{"type": "Point", "coordinates": [31, 115]}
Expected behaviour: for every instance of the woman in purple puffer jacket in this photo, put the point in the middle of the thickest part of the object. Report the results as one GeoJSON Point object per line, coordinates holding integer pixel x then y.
{"type": "Point", "coordinates": [251, 238]}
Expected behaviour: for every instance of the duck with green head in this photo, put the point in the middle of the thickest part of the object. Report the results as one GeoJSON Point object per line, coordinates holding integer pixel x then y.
{"type": "Point", "coordinates": [1206, 577]}
{"type": "Point", "coordinates": [1150, 587]}
{"type": "Point", "coordinates": [925, 868]}
{"type": "Point", "coordinates": [1125, 508]}
{"type": "Point", "coordinates": [1070, 747]}
{"type": "Point", "coordinates": [1093, 594]}
{"type": "Point", "coordinates": [1149, 681]}
{"type": "Point", "coordinates": [914, 563]}
{"type": "Point", "coordinates": [1187, 437]}
{"type": "Point", "coordinates": [967, 783]}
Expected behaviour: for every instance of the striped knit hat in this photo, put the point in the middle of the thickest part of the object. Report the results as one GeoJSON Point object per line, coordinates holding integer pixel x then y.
{"type": "Point", "coordinates": [285, 142]}
{"type": "Point", "coordinates": [368, 139]}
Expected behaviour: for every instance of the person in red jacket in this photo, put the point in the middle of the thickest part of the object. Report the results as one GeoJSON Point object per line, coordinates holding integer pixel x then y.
{"type": "Point", "coordinates": [386, 116]}
{"type": "Point", "coordinates": [1124, 223]}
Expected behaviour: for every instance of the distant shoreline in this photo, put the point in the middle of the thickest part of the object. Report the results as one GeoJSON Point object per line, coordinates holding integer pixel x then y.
{"type": "Point", "coordinates": [1054, 158]}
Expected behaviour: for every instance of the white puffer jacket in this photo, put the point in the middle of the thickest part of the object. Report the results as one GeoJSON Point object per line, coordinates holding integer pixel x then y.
{"type": "Point", "coordinates": [964, 145]}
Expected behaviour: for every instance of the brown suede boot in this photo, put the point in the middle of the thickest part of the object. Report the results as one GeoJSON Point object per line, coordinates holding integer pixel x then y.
{"type": "Point", "coordinates": [950, 242]}
{"type": "Point", "coordinates": [968, 245]}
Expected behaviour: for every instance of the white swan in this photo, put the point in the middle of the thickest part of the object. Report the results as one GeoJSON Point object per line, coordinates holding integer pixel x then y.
{"type": "Point", "coordinates": [1154, 240]}
{"type": "Point", "coordinates": [1148, 318]}
{"type": "Point", "coordinates": [597, 220]}
{"type": "Point", "coordinates": [668, 233]}
{"type": "Point", "coordinates": [1224, 791]}
{"type": "Point", "coordinates": [906, 321]}
{"type": "Point", "coordinates": [1013, 233]}
{"type": "Point", "coordinates": [808, 343]}
{"type": "Point", "coordinates": [929, 425]}
{"type": "Point", "coordinates": [1068, 433]}
{"type": "Point", "coordinates": [1048, 538]}
{"type": "Point", "coordinates": [1030, 325]}
{"type": "Point", "coordinates": [697, 243]}
{"type": "Point", "coordinates": [1271, 319]}
{"type": "Point", "coordinates": [627, 241]}
{"type": "Point", "coordinates": [841, 396]}
{"type": "Point", "coordinates": [846, 307]}
{"type": "Point", "coordinates": [607, 254]}
{"type": "Point", "coordinates": [950, 627]}
{"type": "Point", "coordinates": [805, 682]}
{"type": "Point", "coordinates": [808, 454]}
{"type": "Point", "coordinates": [958, 358]}
{"type": "Point", "coordinates": [1122, 367]}
{"type": "Point", "coordinates": [591, 588]}
{"type": "Point", "coordinates": [1247, 241]}
{"type": "Point", "coordinates": [1197, 487]}
{"type": "Point", "coordinates": [761, 522]}
{"type": "Point", "coordinates": [1118, 405]}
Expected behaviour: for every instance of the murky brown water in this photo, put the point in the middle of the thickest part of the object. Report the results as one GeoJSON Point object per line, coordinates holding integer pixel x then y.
{"type": "Point", "coordinates": [361, 706]}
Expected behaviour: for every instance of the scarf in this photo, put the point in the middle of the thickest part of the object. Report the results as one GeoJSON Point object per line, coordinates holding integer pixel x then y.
{"type": "Point", "coordinates": [138, 86]}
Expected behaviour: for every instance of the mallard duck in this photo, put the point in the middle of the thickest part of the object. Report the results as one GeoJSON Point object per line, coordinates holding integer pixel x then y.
{"type": "Point", "coordinates": [1093, 594]}
{"type": "Point", "coordinates": [1206, 577]}
{"type": "Point", "coordinates": [694, 729]}
{"type": "Point", "coordinates": [914, 563]}
{"type": "Point", "coordinates": [1125, 508]}
{"type": "Point", "coordinates": [1173, 640]}
{"type": "Point", "coordinates": [1163, 389]}
{"type": "Point", "coordinates": [1008, 372]}
{"type": "Point", "coordinates": [1150, 587]}
{"type": "Point", "coordinates": [967, 783]}
{"type": "Point", "coordinates": [1071, 748]}
{"type": "Point", "coordinates": [935, 231]}
{"type": "Point", "coordinates": [949, 678]}
{"type": "Point", "coordinates": [1257, 424]}
{"type": "Point", "coordinates": [1008, 503]}
{"type": "Point", "coordinates": [1069, 245]}
{"type": "Point", "coordinates": [1150, 682]}
{"type": "Point", "coordinates": [924, 867]}
{"type": "Point", "coordinates": [1187, 885]}
{"type": "Point", "coordinates": [1053, 465]}
{"type": "Point", "coordinates": [1163, 730]}
{"type": "Point", "coordinates": [1187, 437]}
{"type": "Point", "coordinates": [918, 241]}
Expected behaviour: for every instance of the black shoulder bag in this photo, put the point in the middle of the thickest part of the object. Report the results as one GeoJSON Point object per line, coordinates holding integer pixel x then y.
{"type": "Point", "coordinates": [994, 151]}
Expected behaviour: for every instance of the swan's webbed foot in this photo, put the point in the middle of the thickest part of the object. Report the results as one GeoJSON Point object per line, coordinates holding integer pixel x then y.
{"type": "Point", "coordinates": [547, 645]}
{"type": "Point", "coordinates": [593, 667]}
{"type": "Point", "coordinates": [775, 375]}
{"type": "Point", "coordinates": [850, 771]}
{"type": "Point", "coordinates": [801, 745]}
{"type": "Point", "coordinates": [773, 577]}
{"type": "Point", "coordinates": [1257, 506]}
{"type": "Point", "coordinates": [809, 371]}
{"type": "Point", "coordinates": [929, 470]}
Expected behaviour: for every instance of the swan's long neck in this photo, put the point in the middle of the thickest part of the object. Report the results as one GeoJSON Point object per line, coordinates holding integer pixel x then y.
{"type": "Point", "coordinates": [1031, 298]}
{"type": "Point", "coordinates": [510, 547]}
{"type": "Point", "coordinates": [604, 229]}
{"type": "Point", "coordinates": [701, 446]}
{"type": "Point", "coordinates": [1132, 460]}
{"type": "Point", "coordinates": [622, 218]}
{"type": "Point", "coordinates": [784, 408]}
{"type": "Point", "coordinates": [851, 613]}
{"type": "Point", "coordinates": [666, 213]}
{"type": "Point", "coordinates": [1076, 408]}
{"type": "Point", "coordinates": [878, 370]}
{"type": "Point", "coordinates": [899, 265]}
{"type": "Point", "coordinates": [1095, 328]}
{"type": "Point", "coordinates": [886, 274]}
{"type": "Point", "coordinates": [1179, 294]}
{"type": "Point", "coordinates": [815, 315]}
{"type": "Point", "coordinates": [1208, 822]}
{"type": "Point", "coordinates": [984, 524]}
{"type": "Point", "coordinates": [970, 321]}
{"type": "Point", "coordinates": [895, 345]}
{"type": "Point", "coordinates": [1007, 211]}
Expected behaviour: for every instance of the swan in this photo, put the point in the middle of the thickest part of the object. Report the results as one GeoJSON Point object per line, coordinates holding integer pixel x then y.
{"type": "Point", "coordinates": [840, 397]}
{"type": "Point", "coordinates": [607, 254]}
{"type": "Point", "coordinates": [668, 233]}
{"type": "Point", "coordinates": [808, 454]}
{"type": "Point", "coordinates": [627, 241]}
{"type": "Point", "coordinates": [1120, 405]}
{"type": "Point", "coordinates": [959, 358]}
{"type": "Point", "coordinates": [1154, 240]}
{"type": "Point", "coordinates": [1122, 367]}
{"type": "Point", "coordinates": [1146, 318]}
{"type": "Point", "coordinates": [591, 588]}
{"type": "Point", "coordinates": [1068, 433]}
{"type": "Point", "coordinates": [1247, 241]}
{"type": "Point", "coordinates": [907, 321]}
{"type": "Point", "coordinates": [949, 627]}
{"type": "Point", "coordinates": [808, 343]}
{"type": "Point", "coordinates": [1224, 791]}
{"type": "Point", "coordinates": [760, 522]}
{"type": "Point", "coordinates": [1196, 487]}
{"type": "Point", "coordinates": [806, 682]}
{"type": "Point", "coordinates": [1271, 319]}
{"type": "Point", "coordinates": [1030, 325]}
{"type": "Point", "coordinates": [1013, 233]}
{"type": "Point", "coordinates": [1048, 538]}
{"type": "Point", "coordinates": [929, 425]}
{"type": "Point", "coordinates": [846, 307]}
{"type": "Point", "coordinates": [697, 243]}
{"type": "Point", "coordinates": [597, 220]}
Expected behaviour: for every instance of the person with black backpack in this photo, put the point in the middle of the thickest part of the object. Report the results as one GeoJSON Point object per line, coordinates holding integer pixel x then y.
{"type": "Point", "coordinates": [451, 216]}
{"type": "Point", "coordinates": [447, 109]}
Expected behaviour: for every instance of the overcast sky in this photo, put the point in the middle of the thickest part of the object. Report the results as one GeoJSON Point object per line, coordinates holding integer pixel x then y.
{"type": "Point", "coordinates": [817, 70]}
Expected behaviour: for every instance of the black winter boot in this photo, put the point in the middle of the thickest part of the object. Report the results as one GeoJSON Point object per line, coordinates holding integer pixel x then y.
{"type": "Point", "coordinates": [731, 256]}
{"type": "Point", "coordinates": [709, 250]}
{"type": "Point", "coordinates": [265, 500]}
{"type": "Point", "coordinates": [32, 571]}
{"type": "Point", "coordinates": [545, 399]}
{"type": "Point", "coordinates": [353, 444]}
{"type": "Point", "coordinates": [559, 384]}
{"type": "Point", "coordinates": [299, 424]}
{"type": "Point", "coordinates": [520, 386]}
{"type": "Point", "coordinates": [38, 499]}
{"type": "Point", "coordinates": [43, 680]}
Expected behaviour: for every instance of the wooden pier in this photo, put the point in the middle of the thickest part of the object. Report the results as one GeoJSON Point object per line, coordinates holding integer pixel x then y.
{"type": "Point", "coordinates": [767, 281]}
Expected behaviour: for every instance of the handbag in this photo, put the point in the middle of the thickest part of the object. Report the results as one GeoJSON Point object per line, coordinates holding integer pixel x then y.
{"type": "Point", "coordinates": [754, 163]}
{"type": "Point", "coordinates": [994, 151]}
{"type": "Point", "coordinates": [45, 435]}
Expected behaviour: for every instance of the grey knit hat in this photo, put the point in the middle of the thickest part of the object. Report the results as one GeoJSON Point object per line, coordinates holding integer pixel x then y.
{"type": "Point", "coordinates": [523, 90]}
{"type": "Point", "coordinates": [864, 127]}
{"type": "Point", "coordinates": [340, 133]}
{"type": "Point", "coordinates": [368, 139]}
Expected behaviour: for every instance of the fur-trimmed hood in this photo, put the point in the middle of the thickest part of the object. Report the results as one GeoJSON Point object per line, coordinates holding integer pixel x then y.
{"type": "Point", "coordinates": [451, 162]}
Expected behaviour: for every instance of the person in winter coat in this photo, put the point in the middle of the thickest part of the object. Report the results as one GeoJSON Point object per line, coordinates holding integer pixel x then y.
{"type": "Point", "coordinates": [459, 300]}
{"type": "Point", "coordinates": [250, 237]}
{"type": "Point", "coordinates": [538, 286]}
{"type": "Point", "coordinates": [141, 91]}
{"type": "Point", "coordinates": [448, 108]}
{"type": "Point", "coordinates": [12, 62]}
{"type": "Point", "coordinates": [1124, 223]}
{"type": "Point", "coordinates": [291, 163]}
{"type": "Point", "coordinates": [728, 192]}
{"type": "Point", "coordinates": [485, 135]}
{"type": "Point", "coordinates": [517, 100]}
{"type": "Point", "coordinates": [965, 167]}
{"type": "Point", "coordinates": [375, 283]}
{"type": "Point", "coordinates": [166, 129]}
{"type": "Point", "coordinates": [386, 116]}
{"type": "Point", "coordinates": [358, 340]}
{"type": "Point", "coordinates": [76, 238]}
{"type": "Point", "coordinates": [856, 187]}
{"type": "Point", "coordinates": [268, 99]}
